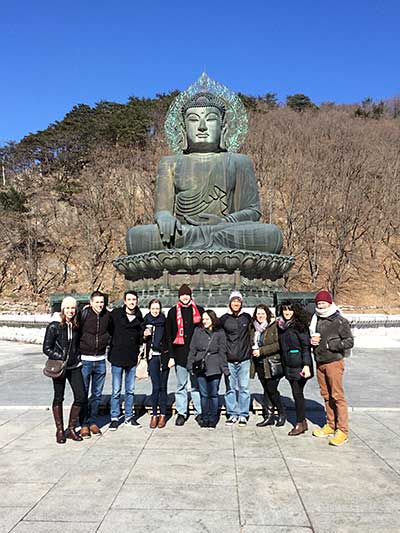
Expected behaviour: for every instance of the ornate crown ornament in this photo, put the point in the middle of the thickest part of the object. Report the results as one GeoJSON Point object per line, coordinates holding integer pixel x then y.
{"type": "Point", "coordinates": [231, 107]}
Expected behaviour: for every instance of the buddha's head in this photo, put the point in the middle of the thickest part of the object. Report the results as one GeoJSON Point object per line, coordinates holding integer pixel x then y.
{"type": "Point", "coordinates": [204, 123]}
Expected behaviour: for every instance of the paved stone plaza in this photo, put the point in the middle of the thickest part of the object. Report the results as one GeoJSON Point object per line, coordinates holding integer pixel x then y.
{"type": "Point", "coordinates": [189, 479]}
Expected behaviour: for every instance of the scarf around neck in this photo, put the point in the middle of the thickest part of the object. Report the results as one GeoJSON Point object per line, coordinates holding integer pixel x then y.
{"type": "Point", "coordinates": [322, 313]}
{"type": "Point", "coordinates": [259, 327]}
{"type": "Point", "coordinates": [179, 339]}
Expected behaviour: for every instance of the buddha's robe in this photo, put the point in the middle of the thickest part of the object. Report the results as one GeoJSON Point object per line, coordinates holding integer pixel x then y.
{"type": "Point", "coordinates": [221, 184]}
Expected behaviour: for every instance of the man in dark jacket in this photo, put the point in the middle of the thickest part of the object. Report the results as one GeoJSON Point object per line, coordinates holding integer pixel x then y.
{"type": "Point", "coordinates": [123, 356]}
{"type": "Point", "coordinates": [181, 322]}
{"type": "Point", "coordinates": [331, 338]}
{"type": "Point", "coordinates": [236, 326]}
{"type": "Point", "coordinates": [95, 327]}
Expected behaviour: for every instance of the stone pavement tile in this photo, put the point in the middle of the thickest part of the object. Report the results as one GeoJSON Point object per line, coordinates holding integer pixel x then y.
{"type": "Point", "coordinates": [77, 505]}
{"type": "Point", "coordinates": [97, 472]}
{"type": "Point", "coordinates": [355, 489]}
{"type": "Point", "coordinates": [188, 497]}
{"type": "Point", "coordinates": [275, 529]}
{"type": "Point", "coordinates": [364, 522]}
{"type": "Point", "coordinates": [55, 527]}
{"type": "Point", "coordinates": [180, 467]}
{"type": "Point", "coordinates": [255, 442]}
{"type": "Point", "coordinates": [170, 521]}
{"type": "Point", "coordinates": [9, 414]}
{"type": "Point", "coordinates": [22, 494]}
{"type": "Point", "coordinates": [10, 516]}
{"type": "Point", "coordinates": [267, 494]}
{"type": "Point", "coordinates": [17, 426]}
{"type": "Point", "coordinates": [191, 437]}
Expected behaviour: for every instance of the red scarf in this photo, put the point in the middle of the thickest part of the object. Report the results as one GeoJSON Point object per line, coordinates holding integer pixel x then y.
{"type": "Point", "coordinates": [179, 339]}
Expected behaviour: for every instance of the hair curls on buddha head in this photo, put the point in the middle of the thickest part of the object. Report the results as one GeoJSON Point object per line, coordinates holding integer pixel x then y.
{"type": "Point", "coordinates": [205, 99]}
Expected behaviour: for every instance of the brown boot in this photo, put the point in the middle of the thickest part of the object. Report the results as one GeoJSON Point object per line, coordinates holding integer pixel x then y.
{"type": "Point", "coordinates": [162, 421]}
{"type": "Point", "coordinates": [58, 419]}
{"type": "Point", "coordinates": [153, 422]}
{"type": "Point", "coordinates": [73, 417]}
{"type": "Point", "coordinates": [297, 430]}
{"type": "Point", "coordinates": [305, 425]}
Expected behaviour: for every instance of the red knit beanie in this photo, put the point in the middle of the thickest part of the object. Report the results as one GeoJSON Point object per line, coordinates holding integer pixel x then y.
{"type": "Point", "coordinates": [323, 296]}
{"type": "Point", "coordinates": [184, 289]}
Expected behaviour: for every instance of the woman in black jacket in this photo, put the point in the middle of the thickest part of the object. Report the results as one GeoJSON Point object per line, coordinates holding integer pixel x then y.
{"type": "Point", "coordinates": [207, 359]}
{"type": "Point", "coordinates": [158, 358]}
{"type": "Point", "coordinates": [296, 358]}
{"type": "Point", "coordinates": [265, 346]}
{"type": "Point", "coordinates": [61, 342]}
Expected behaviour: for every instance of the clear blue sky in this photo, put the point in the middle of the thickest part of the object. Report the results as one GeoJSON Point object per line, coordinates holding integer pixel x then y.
{"type": "Point", "coordinates": [55, 55]}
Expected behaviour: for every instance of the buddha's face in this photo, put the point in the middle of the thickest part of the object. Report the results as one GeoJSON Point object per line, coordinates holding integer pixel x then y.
{"type": "Point", "coordinates": [203, 129]}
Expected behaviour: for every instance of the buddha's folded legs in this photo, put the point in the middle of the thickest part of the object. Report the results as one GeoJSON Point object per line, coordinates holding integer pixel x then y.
{"type": "Point", "coordinates": [238, 235]}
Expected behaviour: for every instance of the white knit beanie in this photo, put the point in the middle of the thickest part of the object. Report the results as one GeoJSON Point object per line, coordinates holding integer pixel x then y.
{"type": "Point", "coordinates": [68, 301]}
{"type": "Point", "coordinates": [235, 294]}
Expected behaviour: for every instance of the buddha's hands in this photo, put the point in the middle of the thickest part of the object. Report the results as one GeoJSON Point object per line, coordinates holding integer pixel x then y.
{"type": "Point", "coordinates": [205, 219]}
{"type": "Point", "coordinates": [167, 226]}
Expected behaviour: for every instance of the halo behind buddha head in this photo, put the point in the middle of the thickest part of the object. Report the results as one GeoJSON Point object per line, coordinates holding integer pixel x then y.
{"type": "Point", "coordinates": [206, 92]}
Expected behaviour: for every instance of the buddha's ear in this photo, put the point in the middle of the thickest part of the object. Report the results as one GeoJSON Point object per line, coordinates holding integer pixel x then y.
{"type": "Point", "coordinates": [184, 141]}
{"type": "Point", "coordinates": [224, 131]}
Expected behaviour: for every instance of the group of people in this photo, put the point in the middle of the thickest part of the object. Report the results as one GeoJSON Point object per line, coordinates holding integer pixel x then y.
{"type": "Point", "coordinates": [202, 348]}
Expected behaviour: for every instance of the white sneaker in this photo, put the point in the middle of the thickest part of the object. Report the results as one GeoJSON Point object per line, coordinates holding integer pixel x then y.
{"type": "Point", "coordinates": [231, 420]}
{"type": "Point", "coordinates": [242, 421]}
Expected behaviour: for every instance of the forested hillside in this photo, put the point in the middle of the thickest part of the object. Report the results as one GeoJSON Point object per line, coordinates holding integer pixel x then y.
{"type": "Point", "coordinates": [328, 175]}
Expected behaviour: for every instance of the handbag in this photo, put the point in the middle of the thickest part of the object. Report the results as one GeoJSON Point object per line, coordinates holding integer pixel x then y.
{"type": "Point", "coordinates": [275, 368]}
{"type": "Point", "coordinates": [55, 368]}
{"type": "Point", "coordinates": [199, 366]}
{"type": "Point", "coordinates": [142, 371]}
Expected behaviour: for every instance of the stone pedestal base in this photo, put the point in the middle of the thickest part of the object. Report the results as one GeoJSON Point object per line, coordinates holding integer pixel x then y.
{"type": "Point", "coordinates": [212, 274]}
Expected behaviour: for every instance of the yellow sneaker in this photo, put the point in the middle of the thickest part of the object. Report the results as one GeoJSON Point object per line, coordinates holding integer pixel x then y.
{"type": "Point", "coordinates": [326, 431]}
{"type": "Point", "coordinates": [339, 439]}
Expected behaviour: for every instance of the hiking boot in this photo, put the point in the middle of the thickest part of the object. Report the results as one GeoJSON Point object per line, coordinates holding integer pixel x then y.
{"type": "Point", "coordinates": [326, 431]}
{"type": "Point", "coordinates": [339, 439]}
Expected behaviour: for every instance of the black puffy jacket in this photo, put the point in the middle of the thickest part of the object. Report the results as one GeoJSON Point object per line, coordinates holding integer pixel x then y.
{"type": "Point", "coordinates": [57, 346]}
{"type": "Point", "coordinates": [237, 333]}
{"type": "Point", "coordinates": [295, 351]}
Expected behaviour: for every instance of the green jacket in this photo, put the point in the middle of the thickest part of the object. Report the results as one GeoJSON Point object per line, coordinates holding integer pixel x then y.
{"type": "Point", "coordinates": [269, 348]}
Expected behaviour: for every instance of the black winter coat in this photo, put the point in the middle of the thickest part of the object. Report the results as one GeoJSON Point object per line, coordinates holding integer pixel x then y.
{"type": "Point", "coordinates": [95, 331]}
{"type": "Point", "coordinates": [57, 346]}
{"type": "Point", "coordinates": [237, 333]}
{"type": "Point", "coordinates": [295, 351]}
{"type": "Point", "coordinates": [210, 345]}
{"type": "Point", "coordinates": [180, 352]}
{"type": "Point", "coordinates": [336, 337]}
{"type": "Point", "coordinates": [157, 341]}
{"type": "Point", "coordinates": [126, 338]}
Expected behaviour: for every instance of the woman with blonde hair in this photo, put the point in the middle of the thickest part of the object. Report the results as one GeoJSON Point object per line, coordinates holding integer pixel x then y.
{"type": "Point", "coordinates": [61, 342]}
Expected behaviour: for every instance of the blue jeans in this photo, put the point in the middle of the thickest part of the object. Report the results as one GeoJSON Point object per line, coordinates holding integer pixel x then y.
{"type": "Point", "coordinates": [97, 371]}
{"type": "Point", "coordinates": [130, 375]}
{"type": "Point", "coordinates": [159, 381]}
{"type": "Point", "coordinates": [181, 395]}
{"type": "Point", "coordinates": [209, 386]}
{"type": "Point", "coordinates": [239, 378]}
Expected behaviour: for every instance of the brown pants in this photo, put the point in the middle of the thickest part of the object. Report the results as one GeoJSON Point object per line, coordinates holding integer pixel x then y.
{"type": "Point", "coordinates": [330, 379]}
